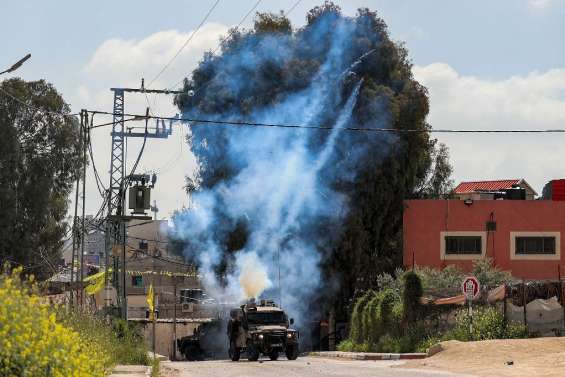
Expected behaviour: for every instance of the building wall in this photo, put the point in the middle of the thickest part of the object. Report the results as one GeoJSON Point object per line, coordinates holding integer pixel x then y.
{"type": "Point", "coordinates": [425, 220]}
{"type": "Point", "coordinates": [164, 334]}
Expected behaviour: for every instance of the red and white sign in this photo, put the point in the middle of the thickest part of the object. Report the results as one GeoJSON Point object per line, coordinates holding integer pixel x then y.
{"type": "Point", "coordinates": [471, 288]}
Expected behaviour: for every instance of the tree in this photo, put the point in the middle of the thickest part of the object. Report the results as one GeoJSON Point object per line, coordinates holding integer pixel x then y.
{"type": "Point", "coordinates": [439, 184]}
{"type": "Point", "coordinates": [270, 66]}
{"type": "Point", "coordinates": [38, 165]}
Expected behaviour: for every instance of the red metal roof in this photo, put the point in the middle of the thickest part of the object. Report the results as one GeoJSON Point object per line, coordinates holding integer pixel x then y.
{"type": "Point", "coordinates": [467, 187]}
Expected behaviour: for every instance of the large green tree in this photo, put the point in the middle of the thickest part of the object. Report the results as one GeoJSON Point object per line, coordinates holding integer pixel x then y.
{"type": "Point", "coordinates": [38, 164]}
{"type": "Point", "coordinates": [263, 67]}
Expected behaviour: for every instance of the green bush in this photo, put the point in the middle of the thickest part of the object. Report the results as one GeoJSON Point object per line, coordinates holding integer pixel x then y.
{"type": "Point", "coordinates": [349, 346]}
{"type": "Point", "coordinates": [357, 333]}
{"type": "Point", "coordinates": [488, 274]}
{"type": "Point", "coordinates": [394, 320]}
{"type": "Point", "coordinates": [120, 340]}
{"type": "Point", "coordinates": [34, 343]}
{"type": "Point", "coordinates": [411, 296]}
{"type": "Point", "coordinates": [488, 323]}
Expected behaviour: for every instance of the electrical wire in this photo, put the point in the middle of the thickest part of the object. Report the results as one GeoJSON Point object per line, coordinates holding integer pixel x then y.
{"type": "Point", "coordinates": [30, 107]}
{"type": "Point", "coordinates": [166, 167]}
{"type": "Point", "coordinates": [201, 122]}
{"type": "Point", "coordinates": [289, 11]}
{"type": "Point", "coordinates": [223, 39]}
{"type": "Point", "coordinates": [185, 43]}
{"type": "Point", "coordinates": [163, 259]}
{"type": "Point", "coordinates": [99, 184]}
{"type": "Point", "coordinates": [134, 167]}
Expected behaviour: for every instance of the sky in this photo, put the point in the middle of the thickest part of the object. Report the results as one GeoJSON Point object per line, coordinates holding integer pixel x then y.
{"type": "Point", "coordinates": [487, 65]}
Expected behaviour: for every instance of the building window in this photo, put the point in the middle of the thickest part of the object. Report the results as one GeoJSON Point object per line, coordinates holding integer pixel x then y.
{"type": "Point", "coordinates": [143, 245]}
{"type": "Point", "coordinates": [462, 245]}
{"type": "Point", "coordinates": [535, 245]}
{"type": "Point", "coordinates": [137, 281]}
{"type": "Point", "coordinates": [457, 245]}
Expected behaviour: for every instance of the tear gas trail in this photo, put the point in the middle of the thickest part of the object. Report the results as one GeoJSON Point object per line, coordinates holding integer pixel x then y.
{"type": "Point", "coordinates": [281, 186]}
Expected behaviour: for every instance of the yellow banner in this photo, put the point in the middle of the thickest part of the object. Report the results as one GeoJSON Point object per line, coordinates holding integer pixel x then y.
{"type": "Point", "coordinates": [150, 302]}
{"type": "Point", "coordinates": [96, 283]}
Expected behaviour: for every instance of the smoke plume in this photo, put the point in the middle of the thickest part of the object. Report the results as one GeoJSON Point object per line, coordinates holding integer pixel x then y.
{"type": "Point", "coordinates": [277, 188]}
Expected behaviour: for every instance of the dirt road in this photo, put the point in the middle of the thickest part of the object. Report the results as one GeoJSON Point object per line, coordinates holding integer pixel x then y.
{"type": "Point", "coordinates": [303, 367]}
{"type": "Point", "coordinates": [500, 358]}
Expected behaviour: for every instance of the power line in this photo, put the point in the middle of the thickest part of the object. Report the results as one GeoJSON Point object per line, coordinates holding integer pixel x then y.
{"type": "Point", "coordinates": [199, 122]}
{"type": "Point", "coordinates": [185, 43]}
{"type": "Point", "coordinates": [30, 107]}
{"type": "Point", "coordinates": [132, 172]}
{"type": "Point", "coordinates": [292, 8]}
{"type": "Point", "coordinates": [230, 33]}
{"type": "Point", "coordinates": [99, 184]}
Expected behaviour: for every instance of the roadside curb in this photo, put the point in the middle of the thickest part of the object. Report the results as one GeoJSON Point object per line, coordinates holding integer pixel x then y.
{"type": "Point", "coordinates": [131, 371]}
{"type": "Point", "coordinates": [368, 355]}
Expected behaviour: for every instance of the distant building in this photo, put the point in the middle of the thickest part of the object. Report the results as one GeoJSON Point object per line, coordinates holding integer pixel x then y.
{"type": "Point", "coordinates": [520, 236]}
{"type": "Point", "coordinates": [489, 190]}
{"type": "Point", "coordinates": [94, 246]}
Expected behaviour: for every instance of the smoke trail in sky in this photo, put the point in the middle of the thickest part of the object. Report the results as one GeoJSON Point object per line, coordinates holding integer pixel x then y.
{"type": "Point", "coordinates": [281, 188]}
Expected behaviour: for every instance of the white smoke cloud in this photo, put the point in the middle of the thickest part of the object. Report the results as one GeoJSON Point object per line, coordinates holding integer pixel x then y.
{"type": "Point", "coordinates": [535, 100]}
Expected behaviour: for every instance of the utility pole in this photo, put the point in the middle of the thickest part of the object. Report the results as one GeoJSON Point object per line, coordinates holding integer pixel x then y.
{"type": "Point", "coordinates": [115, 225]}
{"type": "Point", "coordinates": [79, 228]}
{"type": "Point", "coordinates": [75, 234]}
{"type": "Point", "coordinates": [84, 122]}
{"type": "Point", "coordinates": [154, 209]}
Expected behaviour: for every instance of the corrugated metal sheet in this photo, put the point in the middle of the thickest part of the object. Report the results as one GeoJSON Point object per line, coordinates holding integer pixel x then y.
{"type": "Point", "coordinates": [467, 187]}
{"type": "Point", "coordinates": [558, 189]}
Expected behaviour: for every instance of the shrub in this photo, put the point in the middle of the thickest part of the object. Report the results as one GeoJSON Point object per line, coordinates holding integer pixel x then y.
{"type": "Point", "coordinates": [411, 296]}
{"type": "Point", "coordinates": [488, 274]}
{"type": "Point", "coordinates": [34, 343]}
{"type": "Point", "coordinates": [371, 319]}
{"type": "Point", "coordinates": [488, 323]}
{"type": "Point", "coordinates": [350, 346]}
{"type": "Point", "coordinates": [120, 340]}
{"type": "Point", "coordinates": [357, 333]}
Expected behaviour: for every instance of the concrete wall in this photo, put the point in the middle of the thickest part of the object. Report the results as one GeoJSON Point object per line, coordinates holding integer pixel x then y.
{"type": "Point", "coordinates": [425, 220]}
{"type": "Point", "coordinates": [164, 333]}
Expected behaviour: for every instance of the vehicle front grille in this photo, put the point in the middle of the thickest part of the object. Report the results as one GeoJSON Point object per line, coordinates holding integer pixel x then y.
{"type": "Point", "coordinates": [274, 338]}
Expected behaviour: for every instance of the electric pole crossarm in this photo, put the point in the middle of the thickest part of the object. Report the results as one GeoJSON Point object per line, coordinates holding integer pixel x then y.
{"type": "Point", "coordinates": [151, 91]}
{"type": "Point", "coordinates": [159, 135]}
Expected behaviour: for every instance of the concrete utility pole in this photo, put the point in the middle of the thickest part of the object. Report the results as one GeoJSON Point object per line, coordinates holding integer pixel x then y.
{"type": "Point", "coordinates": [79, 228]}
{"type": "Point", "coordinates": [84, 121]}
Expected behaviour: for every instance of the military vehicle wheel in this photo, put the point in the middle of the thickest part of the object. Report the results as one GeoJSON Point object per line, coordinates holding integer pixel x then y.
{"type": "Point", "coordinates": [252, 353]}
{"type": "Point", "coordinates": [190, 352]}
{"type": "Point", "coordinates": [274, 355]}
{"type": "Point", "coordinates": [233, 352]}
{"type": "Point", "coordinates": [291, 352]}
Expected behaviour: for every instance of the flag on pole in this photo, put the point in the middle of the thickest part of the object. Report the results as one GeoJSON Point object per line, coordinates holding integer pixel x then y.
{"type": "Point", "coordinates": [150, 302]}
{"type": "Point", "coordinates": [95, 283]}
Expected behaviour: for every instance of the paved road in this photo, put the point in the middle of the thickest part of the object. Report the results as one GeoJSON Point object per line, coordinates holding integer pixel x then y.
{"type": "Point", "coordinates": [303, 367]}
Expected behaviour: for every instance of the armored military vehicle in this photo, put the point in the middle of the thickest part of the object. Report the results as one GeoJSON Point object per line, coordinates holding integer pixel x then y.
{"type": "Point", "coordinates": [204, 343]}
{"type": "Point", "coordinates": [261, 328]}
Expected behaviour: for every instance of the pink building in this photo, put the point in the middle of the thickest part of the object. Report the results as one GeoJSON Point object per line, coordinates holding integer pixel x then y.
{"type": "Point", "coordinates": [521, 236]}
